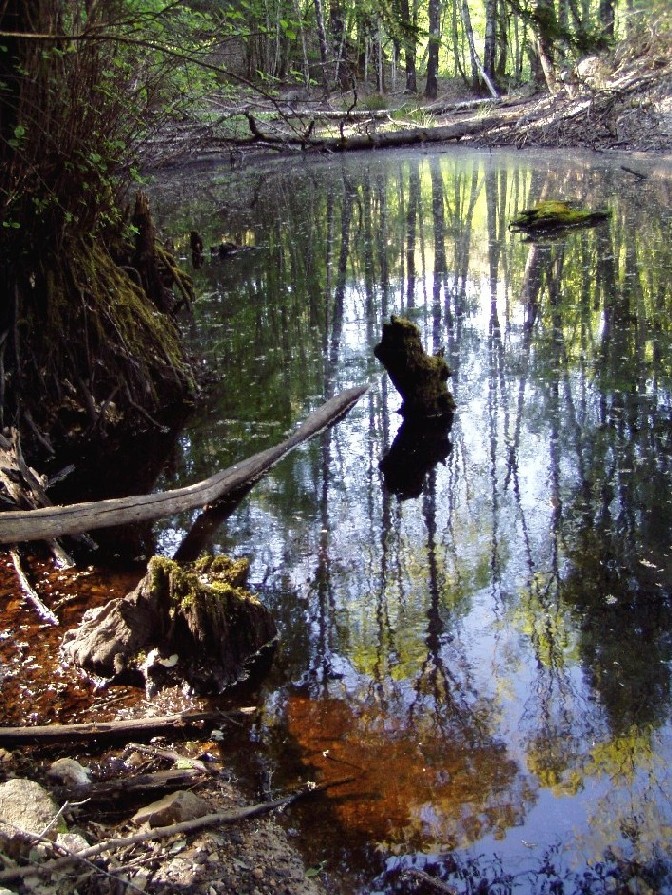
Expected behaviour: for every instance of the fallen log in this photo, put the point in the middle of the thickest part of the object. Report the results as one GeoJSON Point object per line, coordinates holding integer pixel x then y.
{"type": "Point", "coordinates": [44, 734]}
{"type": "Point", "coordinates": [376, 140]}
{"type": "Point", "coordinates": [120, 788]}
{"type": "Point", "coordinates": [51, 522]}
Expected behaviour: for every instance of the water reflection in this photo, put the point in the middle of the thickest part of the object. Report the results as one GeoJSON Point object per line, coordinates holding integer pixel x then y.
{"type": "Point", "coordinates": [490, 657]}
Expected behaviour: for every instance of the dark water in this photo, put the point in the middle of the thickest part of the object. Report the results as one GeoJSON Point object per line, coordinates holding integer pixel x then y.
{"type": "Point", "coordinates": [490, 659]}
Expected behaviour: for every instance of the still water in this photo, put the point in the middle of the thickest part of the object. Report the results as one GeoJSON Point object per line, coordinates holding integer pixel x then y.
{"type": "Point", "coordinates": [487, 650]}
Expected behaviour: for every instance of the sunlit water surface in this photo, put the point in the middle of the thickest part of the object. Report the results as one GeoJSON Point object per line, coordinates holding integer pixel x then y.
{"type": "Point", "coordinates": [488, 655]}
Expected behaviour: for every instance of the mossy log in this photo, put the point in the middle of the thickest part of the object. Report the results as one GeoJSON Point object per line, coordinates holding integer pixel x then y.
{"type": "Point", "coordinates": [555, 215]}
{"type": "Point", "coordinates": [419, 378]}
{"type": "Point", "coordinates": [196, 623]}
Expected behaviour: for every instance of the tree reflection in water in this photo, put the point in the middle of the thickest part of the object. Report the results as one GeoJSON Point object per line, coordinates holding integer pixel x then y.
{"type": "Point", "coordinates": [490, 657]}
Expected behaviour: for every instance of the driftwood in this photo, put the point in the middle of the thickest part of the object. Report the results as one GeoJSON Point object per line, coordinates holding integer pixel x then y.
{"type": "Point", "coordinates": [45, 613]}
{"type": "Point", "coordinates": [120, 788]}
{"type": "Point", "coordinates": [51, 522]}
{"type": "Point", "coordinates": [107, 731]}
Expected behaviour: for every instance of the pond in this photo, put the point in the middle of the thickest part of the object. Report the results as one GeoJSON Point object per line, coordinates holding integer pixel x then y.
{"type": "Point", "coordinates": [476, 641]}
{"type": "Point", "coordinates": [483, 641]}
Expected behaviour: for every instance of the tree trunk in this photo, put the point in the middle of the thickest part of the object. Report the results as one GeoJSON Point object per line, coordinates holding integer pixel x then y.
{"type": "Point", "coordinates": [409, 47]}
{"type": "Point", "coordinates": [489, 47]}
{"type": "Point", "coordinates": [469, 31]}
{"type": "Point", "coordinates": [607, 20]}
{"type": "Point", "coordinates": [322, 40]}
{"type": "Point", "coordinates": [432, 82]}
{"type": "Point", "coordinates": [546, 28]}
{"type": "Point", "coordinates": [475, 61]}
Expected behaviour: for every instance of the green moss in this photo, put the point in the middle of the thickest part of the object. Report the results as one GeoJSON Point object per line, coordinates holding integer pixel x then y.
{"type": "Point", "coordinates": [210, 581]}
{"type": "Point", "coordinates": [90, 336]}
{"type": "Point", "coordinates": [554, 214]}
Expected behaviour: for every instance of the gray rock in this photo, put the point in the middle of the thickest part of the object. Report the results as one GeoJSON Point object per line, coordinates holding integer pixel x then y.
{"type": "Point", "coordinates": [25, 805]}
{"type": "Point", "coordinates": [172, 809]}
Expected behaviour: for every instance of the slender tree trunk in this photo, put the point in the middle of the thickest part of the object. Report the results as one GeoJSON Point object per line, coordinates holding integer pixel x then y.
{"type": "Point", "coordinates": [338, 36]}
{"type": "Point", "coordinates": [469, 31]}
{"type": "Point", "coordinates": [322, 40]}
{"type": "Point", "coordinates": [409, 47]}
{"type": "Point", "coordinates": [432, 82]}
{"type": "Point", "coordinates": [489, 46]}
{"type": "Point", "coordinates": [546, 27]}
{"type": "Point", "coordinates": [502, 39]}
{"type": "Point", "coordinates": [476, 64]}
{"type": "Point", "coordinates": [607, 20]}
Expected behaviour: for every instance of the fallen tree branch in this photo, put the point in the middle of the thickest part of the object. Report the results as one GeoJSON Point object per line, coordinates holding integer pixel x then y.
{"type": "Point", "coordinates": [113, 790]}
{"type": "Point", "coordinates": [220, 818]}
{"type": "Point", "coordinates": [378, 140]}
{"type": "Point", "coordinates": [50, 522]}
{"type": "Point", "coordinates": [109, 730]}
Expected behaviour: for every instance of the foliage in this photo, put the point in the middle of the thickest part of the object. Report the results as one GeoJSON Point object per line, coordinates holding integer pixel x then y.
{"type": "Point", "coordinates": [82, 88]}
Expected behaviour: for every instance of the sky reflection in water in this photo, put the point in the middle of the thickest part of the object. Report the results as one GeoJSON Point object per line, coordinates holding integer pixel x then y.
{"type": "Point", "coordinates": [491, 659]}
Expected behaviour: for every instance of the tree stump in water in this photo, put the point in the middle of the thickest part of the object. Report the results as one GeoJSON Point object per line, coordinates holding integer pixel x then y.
{"type": "Point", "coordinates": [419, 378]}
{"type": "Point", "coordinates": [200, 613]}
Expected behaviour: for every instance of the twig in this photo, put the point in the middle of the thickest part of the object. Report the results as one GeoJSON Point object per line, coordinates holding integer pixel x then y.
{"type": "Point", "coordinates": [639, 174]}
{"type": "Point", "coordinates": [67, 856]}
{"type": "Point", "coordinates": [29, 591]}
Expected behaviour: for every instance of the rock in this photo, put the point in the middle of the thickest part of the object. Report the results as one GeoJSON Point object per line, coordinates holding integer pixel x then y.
{"type": "Point", "coordinates": [593, 71]}
{"type": "Point", "coordinates": [25, 805]}
{"type": "Point", "coordinates": [72, 842]}
{"type": "Point", "coordinates": [69, 772]}
{"type": "Point", "coordinates": [173, 808]}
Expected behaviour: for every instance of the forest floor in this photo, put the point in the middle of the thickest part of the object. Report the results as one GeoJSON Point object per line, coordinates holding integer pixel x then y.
{"type": "Point", "coordinates": [618, 103]}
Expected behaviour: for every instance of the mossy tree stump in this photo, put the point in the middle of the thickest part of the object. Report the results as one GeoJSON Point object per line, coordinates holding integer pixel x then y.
{"type": "Point", "coordinates": [419, 378]}
{"type": "Point", "coordinates": [198, 622]}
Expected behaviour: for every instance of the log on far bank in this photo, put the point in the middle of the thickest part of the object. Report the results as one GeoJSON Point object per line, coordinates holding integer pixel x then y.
{"type": "Point", "coordinates": [51, 522]}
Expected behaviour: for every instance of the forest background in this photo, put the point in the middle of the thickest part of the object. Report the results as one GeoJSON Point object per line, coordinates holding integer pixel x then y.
{"type": "Point", "coordinates": [89, 342]}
